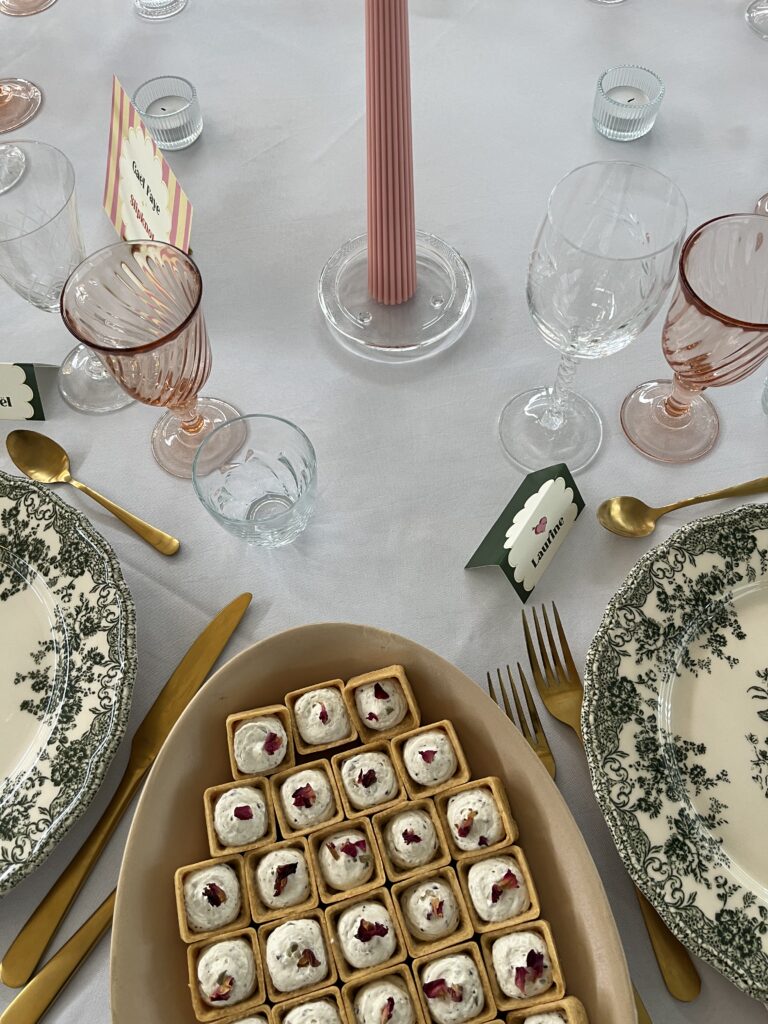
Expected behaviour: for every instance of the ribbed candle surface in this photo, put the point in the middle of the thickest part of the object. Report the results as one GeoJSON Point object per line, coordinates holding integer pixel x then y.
{"type": "Point", "coordinates": [391, 224]}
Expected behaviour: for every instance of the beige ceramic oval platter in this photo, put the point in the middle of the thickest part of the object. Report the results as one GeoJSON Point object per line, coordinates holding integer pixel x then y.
{"type": "Point", "coordinates": [148, 964]}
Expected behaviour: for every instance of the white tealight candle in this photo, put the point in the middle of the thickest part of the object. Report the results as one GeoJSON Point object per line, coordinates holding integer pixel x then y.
{"type": "Point", "coordinates": [628, 94]}
{"type": "Point", "coordinates": [164, 105]}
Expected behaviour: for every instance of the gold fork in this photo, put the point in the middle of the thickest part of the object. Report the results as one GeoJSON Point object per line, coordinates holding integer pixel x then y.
{"type": "Point", "coordinates": [538, 741]}
{"type": "Point", "coordinates": [560, 688]}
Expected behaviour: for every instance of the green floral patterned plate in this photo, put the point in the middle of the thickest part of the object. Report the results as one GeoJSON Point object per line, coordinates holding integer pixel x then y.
{"type": "Point", "coordinates": [67, 664]}
{"type": "Point", "coordinates": [675, 723]}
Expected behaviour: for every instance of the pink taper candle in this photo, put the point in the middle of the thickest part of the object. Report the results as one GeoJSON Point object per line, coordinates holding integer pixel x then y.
{"type": "Point", "coordinates": [391, 225]}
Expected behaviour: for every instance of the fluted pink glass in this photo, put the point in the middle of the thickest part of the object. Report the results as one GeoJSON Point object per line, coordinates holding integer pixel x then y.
{"type": "Point", "coordinates": [716, 333]}
{"type": "Point", "coordinates": [138, 305]}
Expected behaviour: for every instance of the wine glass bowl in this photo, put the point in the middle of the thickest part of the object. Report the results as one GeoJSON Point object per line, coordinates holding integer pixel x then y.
{"type": "Point", "coordinates": [715, 333]}
{"type": "Point", "coordinates": [602, 263]}
{"type": "Point", "coordinates": [138, 305]}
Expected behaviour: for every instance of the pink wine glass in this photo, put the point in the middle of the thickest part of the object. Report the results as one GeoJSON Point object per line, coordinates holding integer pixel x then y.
{"type": "Point", "coordinates": [716, 333]}
{"type": "Point", "coordinates": [138, 306]}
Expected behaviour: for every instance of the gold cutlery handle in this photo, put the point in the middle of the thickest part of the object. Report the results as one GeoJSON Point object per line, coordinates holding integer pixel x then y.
{"type": "Point", "coordinates": [643, 1017]}
{"type": "Point", "coordinates": [680, 974]}
{"type": "Point", "coordinates": [162, 542]}
{"type": "Point", "coordinates": [35, 999]}
{"type": "Point", "coordinates": [758, 486]}
{"type": "Point", "coordinates": [27, 948]}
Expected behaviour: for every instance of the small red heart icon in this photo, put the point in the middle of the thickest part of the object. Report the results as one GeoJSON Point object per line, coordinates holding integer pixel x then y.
{"type": "Point", "coordinates": [541, 526]}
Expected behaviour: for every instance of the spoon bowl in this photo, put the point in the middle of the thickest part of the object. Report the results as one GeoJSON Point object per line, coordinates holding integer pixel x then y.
{"type": "Point", "coordinates": [38, 457]}
{"type": "Point", "coordinates": [628, 517]}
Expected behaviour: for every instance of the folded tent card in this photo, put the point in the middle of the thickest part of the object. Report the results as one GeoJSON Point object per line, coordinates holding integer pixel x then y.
{"type": "Point", "coordinates": [528, 533]}
{"type": "Point", "coordinates": [19, 393]}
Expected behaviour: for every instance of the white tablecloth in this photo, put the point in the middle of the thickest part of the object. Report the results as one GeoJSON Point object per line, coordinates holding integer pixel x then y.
{"type": "Point", "coordinates": [410, 470]}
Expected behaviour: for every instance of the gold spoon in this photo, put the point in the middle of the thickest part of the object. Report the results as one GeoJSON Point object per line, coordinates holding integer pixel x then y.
{"type": "Point", "coordinates": [631, 517]}
{"type": "Point", "coordinates": [42, 459]}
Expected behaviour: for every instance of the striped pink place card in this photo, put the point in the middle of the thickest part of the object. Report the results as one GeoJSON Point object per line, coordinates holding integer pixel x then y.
{"type": "Point", "coordinates": [391, 226]}
{"type": "Point", "coordinates": [142, 197]}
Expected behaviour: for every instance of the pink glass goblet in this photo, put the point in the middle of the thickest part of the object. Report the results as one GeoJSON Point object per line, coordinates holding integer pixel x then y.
{"type": "Point", "coordinates": [716, 333]}
{"type": "Point", "coordinates": [138, 306]}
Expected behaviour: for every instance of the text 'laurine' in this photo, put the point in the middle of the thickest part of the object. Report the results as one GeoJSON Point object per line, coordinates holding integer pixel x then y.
{"type": "Point", "coordinates": [551, 534]}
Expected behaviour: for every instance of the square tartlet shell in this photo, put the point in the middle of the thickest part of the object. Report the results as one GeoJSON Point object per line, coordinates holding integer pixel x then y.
{"type": "Point", "coordinates": [277, 780]}
{"type": "Point", "coordinates": [530, 914]}
{"type": "Point", "coordinates": [265, 1010]}
{"type": "Point", "coordinates": [266, 930]}
{"type": "Point", "coordinates": [203, 1011]}
{"type": "Point", "coordinates": [315, 748]}
{"type": "Point", "coordinates": [377, 879]}
{"type": "Point", "coordinates": [210, 797]}
{"type": "Point", "coordinates": [380, 746]}
{"type": "Point", "coordinates": [571, 1006]}
{"type": "Point", "coordinates": [242, 919]}
{"type": "Point", "coordinates": [346, 971]}
{"type": "Point", "coordinates": [557, 989]}
{"type": "Point", "coordinates": [461, 775]}
{"type": "Point", "coordinates": [331, 992]}
{"type": "Point", "coordinates": [394, 872]}
{"type": "Point", "coordinates": [401, 971]}
{"type": "Point", "coordinates": [412, 717]}
{"type": "Point", "coordinates": [419, 947]}
{"type": "Point", "coordinates": [473, 950]}
{"type": "Point", "coordinates": [499, 795]}
{"type": "Point", "coordinates": [259, 911]}
{"type": "Point", "coordinates": [276, 710]}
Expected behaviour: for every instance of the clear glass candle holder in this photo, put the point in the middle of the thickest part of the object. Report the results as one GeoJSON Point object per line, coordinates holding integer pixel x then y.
{"type": "Point", "coordinates": [627, 102]}
{"type": "Point", "coordinates": [169, 108]}
{"type": "Point", "coordinates": [264, 493]}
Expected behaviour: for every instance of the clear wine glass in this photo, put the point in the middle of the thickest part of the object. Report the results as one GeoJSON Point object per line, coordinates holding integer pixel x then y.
{"type": "Point", "coordinates": [138, 305]}
{"type": "Point", "coordinates": [40, 245]}
{"type": "Point", "coordinates": [716, 333]}
{"type": "Point", "coordinates": [757, 17]}
{"type": "Point", "coordinates": [602, 263]}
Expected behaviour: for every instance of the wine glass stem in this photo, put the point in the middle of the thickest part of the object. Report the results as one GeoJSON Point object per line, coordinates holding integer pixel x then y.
{"type": "Point", "coordinates": [555, 412]}
{"type": "Point", "coordinates": [191, 420]}
{"type": "Point", "coordinates": [679, 401]}
{"type": "Point", "coordinates": [94, 367]}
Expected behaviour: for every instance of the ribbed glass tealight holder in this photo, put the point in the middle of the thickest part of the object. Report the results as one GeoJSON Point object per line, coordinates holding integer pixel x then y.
{"type": "Point", "coordinates": [169, 108]}
{"type": "Point", "coordinates": [627, 102]}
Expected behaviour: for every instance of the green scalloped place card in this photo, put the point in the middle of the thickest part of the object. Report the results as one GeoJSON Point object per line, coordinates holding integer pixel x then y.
{"type": "Point", "coordinates": [19, 393]}
{"type": "Point", "coordinates": [530, 531]}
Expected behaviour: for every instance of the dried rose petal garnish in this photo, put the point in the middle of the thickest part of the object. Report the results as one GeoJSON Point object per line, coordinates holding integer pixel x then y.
{"type": "Point", "coordinates": [243, 812]}
{"type": "Point", "coordinates": [532, 971]}
{"type": "Point", "coordinates": [482, 841]}
{"type": "Point", "coordinates": [307, 959]}
{"type": "Point", "coordinates": [214, 894]}
{"type": "Point", "coordinates": [304, 796]}
{"type": "Point", "coordinates": [353, 848]}
{"type": "Point", "coordinates": [366, 779]}
{"type": "Point", "coordinates": [436, 908]}
{"type": "Point", "coordinates": [387, 1010]}
{"type": "Point", "coordinates": [372, 716]}
{"type": "Point", "coordinates": [331, 847]}
{"type": "Point", "coordinates": [323, 716]}
{"type": "Point", "coordinates": [273, 742]}
{"type": "Point", "coordinates": [507, 881]}
{"type": "Point", "coordinates": [366, 930]}
{"type": "Point", "coordinates": [428, 755]}
{"type": "Point", "coordinates": [282, 875]}
{"type": "Point", "coordinates": [465, 827]}
{"type": "Point", "coordinates": [379, 692]}
{"type": "Point", "coordinates": [223, 990]}
{"type": "Point", "coordinates": [409, 836]}
{"type": "Point", "coordinates": [440, 989]}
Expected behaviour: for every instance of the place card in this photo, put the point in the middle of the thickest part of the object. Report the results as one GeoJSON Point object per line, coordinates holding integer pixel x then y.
{"type": "Point", "coordinates": [19, 393]}
{"type": "Point", "coordinates": [142, 197]}
{"type": "Point", "coordinates": [529, 532]}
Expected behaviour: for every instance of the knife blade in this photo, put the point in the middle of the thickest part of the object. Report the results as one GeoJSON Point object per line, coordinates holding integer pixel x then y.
{"type": "Point", "coordinates": [24, 953]}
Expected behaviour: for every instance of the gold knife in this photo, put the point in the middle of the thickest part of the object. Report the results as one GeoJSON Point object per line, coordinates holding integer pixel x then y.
{"type": "Point", "coordinates": [27, 948]}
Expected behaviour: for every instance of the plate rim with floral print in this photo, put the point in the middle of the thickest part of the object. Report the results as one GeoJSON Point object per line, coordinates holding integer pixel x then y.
{"type": "Point", "coordinates": [66, 700]}
{"type": "Point", "coordinates": [674, 718]}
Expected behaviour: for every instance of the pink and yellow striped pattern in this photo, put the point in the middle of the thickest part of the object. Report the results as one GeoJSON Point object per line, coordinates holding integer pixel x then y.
{"type": "Point", "coordinates": [124, 117]}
